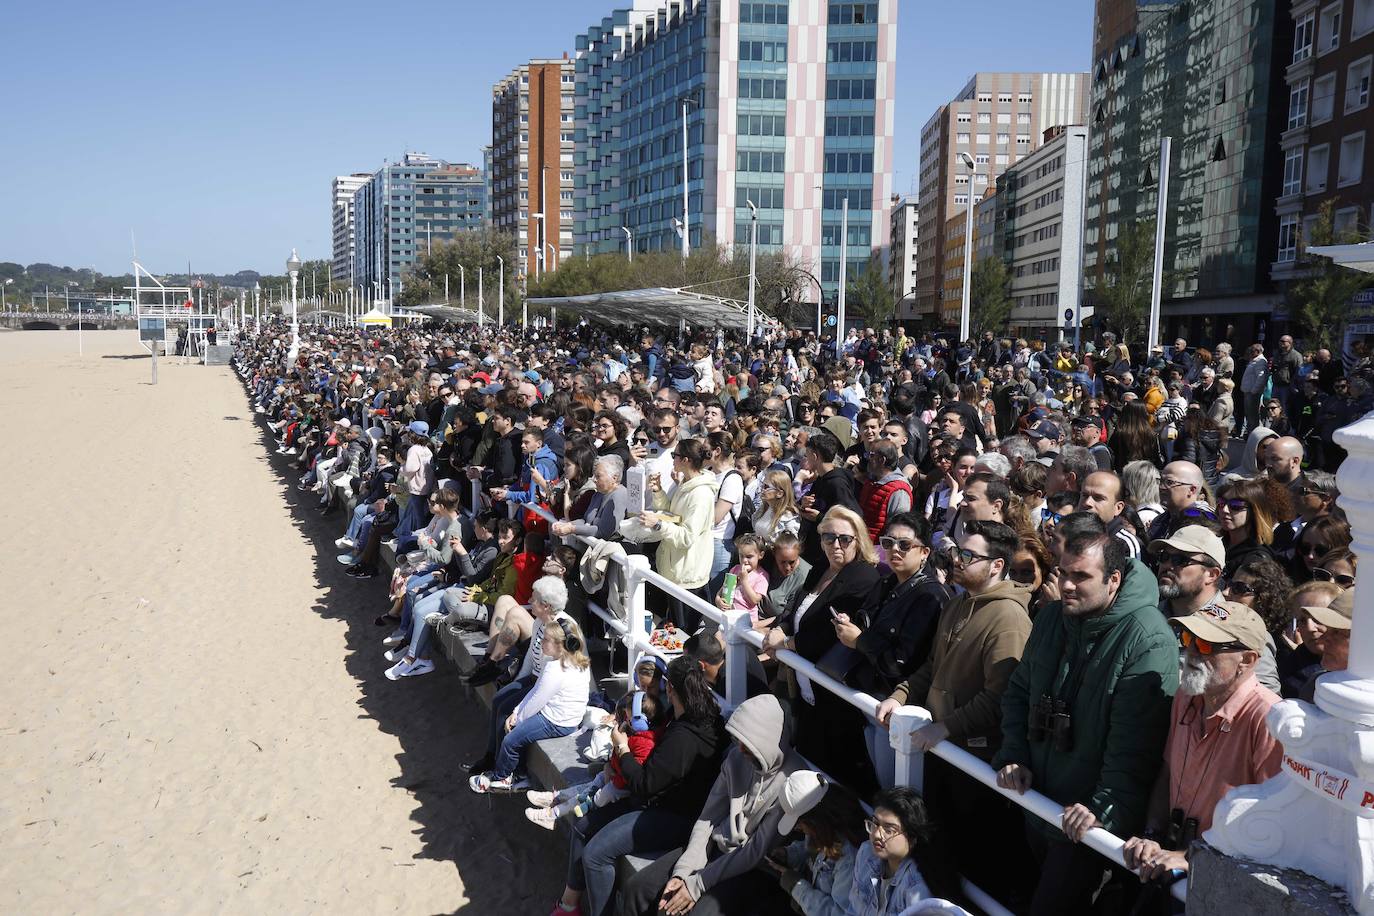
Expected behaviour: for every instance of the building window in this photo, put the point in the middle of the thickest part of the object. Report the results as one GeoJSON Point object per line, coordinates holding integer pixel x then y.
{"type": "Point", "coordinates": [1350, 170]}
{"type": "Point", "coordinates": [1004, 98]}
{"type": "Point", "coordinates": [1318, 166]}
{"type": "Point", "coordinates": [764, 13]}
{"type": "Point", "coordinates": [983, 139]}
{"type": "Point", "coordinates": [1297, 105]}
{"type": "Point", "coordinates": [1329, 29]}
{"type": "Point", "coordinates": [961, 138]}
{"type": "Point", "coordinates": [1361, 19]}
{"type": "Point", "coordinates": [1323, 98]}
{"type": "Point", "coordinates": [1288, 238]}
{"type": "Point", "coordinates": [1357, 84]}
{"type": "Point", "coordinates": [1292, 172]}
{"type": "Point", "coordinates": [1003, 139]}
{"type": "Point", "coordinates": [853, 13]}
{"type": "Point", "coordinates": [1302, 38]}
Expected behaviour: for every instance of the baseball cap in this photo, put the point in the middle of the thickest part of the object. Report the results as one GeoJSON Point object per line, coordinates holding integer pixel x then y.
{"type": "Point", "coordinates": [1193, 539]}
{"type": "Point", "coordinates": [1338, 614]}
{"type": "Point", "coordinates": [532, 376]}
{"type": "Point", "coordinates": [1045, 429]}
{"type": "Point", "coordinates": [1086, 420]}
{"type": "Point", "coordinates": [1226, 621]}
{"type": "Point", "coordinates": [803, 791]}
{"type": "Point", "coordinates": [418, 427]}
{"type": "Point", "coordinates": [344, 422]}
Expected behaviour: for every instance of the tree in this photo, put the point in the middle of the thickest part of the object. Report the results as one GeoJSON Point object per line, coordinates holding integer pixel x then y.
{"type": "Point", "coordinates": [869, 295]}
{"type": "Point", "coordinates": [1321, 298]}
{"type": "Point", "coordinates": [469, 250]}
{"type": "Point", "coordinates": [1122, 293]}
{"type": "Point", "coordinates": [989, 298]}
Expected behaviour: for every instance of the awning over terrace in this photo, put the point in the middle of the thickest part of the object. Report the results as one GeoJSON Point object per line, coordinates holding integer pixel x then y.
{"type": "Point", "coordinates": [1359, 256]}
{"type": "Point", "coordinates": [449, 313]}
{"type": "Point", "coordinates": [660, 306]}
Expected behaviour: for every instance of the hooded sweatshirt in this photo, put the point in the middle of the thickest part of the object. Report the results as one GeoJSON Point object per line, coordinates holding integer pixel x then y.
{"type": "Point", "coordinates": [1249, 465]}
{"type": "Point", "coordinates": [738, 825]}
{"type": "Point", "coordinates": [978, 644]}
{"type": "Point", "coordinates": [1125, 662]}
{"type": "Point", "coordinates": [686, 546]}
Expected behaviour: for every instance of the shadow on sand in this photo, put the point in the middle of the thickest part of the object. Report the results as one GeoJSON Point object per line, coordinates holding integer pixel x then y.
{"type": "Point", "coordinates": [506, 864]}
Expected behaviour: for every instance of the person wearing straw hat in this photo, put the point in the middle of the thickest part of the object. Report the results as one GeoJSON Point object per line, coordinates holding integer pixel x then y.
{"type": "Point", "coordinates": [1217, 735]}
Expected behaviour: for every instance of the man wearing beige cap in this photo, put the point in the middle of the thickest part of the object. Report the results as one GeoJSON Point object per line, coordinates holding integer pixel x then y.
{"type": "Point", "coordinates": [1336, 618]}
{"type": "Point", "coordinates": [1217, 736]}
{"type": "Point", "coordinates": [1189, 564]}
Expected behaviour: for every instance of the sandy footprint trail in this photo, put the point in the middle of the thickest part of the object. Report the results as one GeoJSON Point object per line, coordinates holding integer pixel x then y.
{"type": "Point", "coordinates": [195, 718]}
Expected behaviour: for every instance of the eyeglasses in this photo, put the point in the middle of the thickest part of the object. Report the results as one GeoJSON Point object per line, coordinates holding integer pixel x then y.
{"type": "Point", "coordinates": [1326, 575]}
{"type": "Point", "coordinates": [1236, 505]}
{"type": "Point", "coordinates": [902, 544]}
{"type": "Point", "coordinates": [830, 537]}
{"type": "Point", "coordinates": [884, 831]}
{"type": "Point", "coordinates": [1169, 483]}
{"type": "Point", "coordinates": [1203, 646]}
{"type": "Point", "coordinates": [641, 440]}
{"type": "Point", "coordinates": [664, 429]}
{"type": "Point", "coordinates": [1178, 558]}
{"type": "Point", "coordinates": [1240, 588]}
{"type": "Point", "coordinates": [1049, 515]}
{"type": "Point", "coordinates": [962, 556]}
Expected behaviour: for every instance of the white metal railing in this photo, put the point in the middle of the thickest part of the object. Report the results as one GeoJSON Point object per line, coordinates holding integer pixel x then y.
{"type": "Point", "coordinates": [741, 638]}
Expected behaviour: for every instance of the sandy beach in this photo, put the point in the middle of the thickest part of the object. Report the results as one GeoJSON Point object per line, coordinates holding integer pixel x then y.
{"type": "Point", "coordinates": [196, 718]}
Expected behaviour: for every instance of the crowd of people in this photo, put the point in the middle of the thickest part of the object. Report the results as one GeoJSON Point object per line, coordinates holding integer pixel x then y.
{"type": "Point", "coordinates": [1096, 569]}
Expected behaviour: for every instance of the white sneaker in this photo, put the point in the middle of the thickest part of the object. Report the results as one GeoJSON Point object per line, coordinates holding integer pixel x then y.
{"type": "Point", "coordinates": [345, 543]}
{"type": "Point", "coordinates": [289, 451]}
{"type": "Point", "coordinates": [434, 618]}
{"type": "Point", "coordinates": [541, 799]}
{"type": "Point", "coordinates": [409, 669]}
{"type": "Point", "coordinates": [346, 559]}
{"type": "Point", "coordinates": [395, 639]}
{"type": "Point", "coordinates": [395, 654]}
{"type": "Point", "coordinates": [544, 817]}
{"type": "Point", "coordinates": [258, 410]}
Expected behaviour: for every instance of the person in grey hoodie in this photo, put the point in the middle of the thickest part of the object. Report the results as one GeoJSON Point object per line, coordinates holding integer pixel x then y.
{"type": "Point", "coordinates": [737, 826]}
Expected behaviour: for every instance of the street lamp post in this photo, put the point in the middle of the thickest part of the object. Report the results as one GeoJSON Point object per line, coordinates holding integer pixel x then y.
{"type": "Point", "coordinates": [257, 305]}
{"type": "Point", "coordinates": [964, 307]}
{"type": "Point", "coordinates": [629, 243]}
{"type": "Point", "coordinates": [480, 313]}
{"type": "Point", "coordinates": [501, 293]}
{"type": "Point", "coordinates": [753, 249]}
{"type": "Point", "coordinates": [1157, 274]}
{"type": "Point", "coordinates": [3, 306]}
{"type": "Point", "coordinates": [539, 251]}
{"type": "Point", "coordinates": [550, 249]}
{"type": "Point", "coordinates": [462, 287]}
{"type": "Point", "coordinates": [844, 273]}
{"type": "Point", "coordinates": [686, 238]}
{"type": "Point", "coordinates": [293, 267]}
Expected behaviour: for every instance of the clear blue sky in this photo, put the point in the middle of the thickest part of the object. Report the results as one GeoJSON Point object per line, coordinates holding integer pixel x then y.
{"type": "Point", "coordinates": [213, 130]}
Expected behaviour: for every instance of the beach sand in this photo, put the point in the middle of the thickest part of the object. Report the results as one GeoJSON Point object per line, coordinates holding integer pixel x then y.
{"type": "Point", "coordinates": [195, 716]}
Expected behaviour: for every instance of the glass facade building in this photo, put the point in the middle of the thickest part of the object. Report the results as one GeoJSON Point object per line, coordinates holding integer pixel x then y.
{"type": "Point", "coordinates": [789, 107]}
{"type": "Point", "coordinates": [403, 208]}
{"type": "Point", "coordinates": [1208, 74]}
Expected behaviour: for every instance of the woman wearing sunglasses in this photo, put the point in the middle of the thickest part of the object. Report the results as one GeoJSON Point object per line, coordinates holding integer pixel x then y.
{"type": "Point", "coordinates": [1336, 566]}
{"type": "Point", "coordinates": [829, 730]}
{"type": "Point", "coordinates": [1248, 511]}
{"type": "Point", "coordinates": [1317, 539]}
{"type": "Point", "coordinates": [1262, 584]}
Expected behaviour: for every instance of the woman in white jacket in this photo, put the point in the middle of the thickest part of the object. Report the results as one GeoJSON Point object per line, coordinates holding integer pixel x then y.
{"type": "Point", "coordinates": [681, 523]}
{"type": "Point", "coordinates": [552, 709]}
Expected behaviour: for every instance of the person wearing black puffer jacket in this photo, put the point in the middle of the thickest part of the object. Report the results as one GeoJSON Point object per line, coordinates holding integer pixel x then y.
{"type": "Point", "coordinates": [1201, 441]}
{"type": "Point", "coordinates": [667, 792]}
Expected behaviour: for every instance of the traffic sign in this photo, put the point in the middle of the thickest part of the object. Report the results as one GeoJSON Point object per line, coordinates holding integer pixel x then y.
{"type": "Point", "coordinates": [1068, 314]}
{"type": "Point", "coordinates": [829, 321]}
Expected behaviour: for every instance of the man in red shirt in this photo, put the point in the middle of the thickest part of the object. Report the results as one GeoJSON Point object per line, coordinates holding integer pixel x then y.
{"type": "Point", "coordinates": [1217, 736]}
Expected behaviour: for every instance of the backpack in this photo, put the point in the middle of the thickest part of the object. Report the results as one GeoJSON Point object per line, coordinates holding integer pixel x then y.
{"type": "Point", "coordinates": [743, 513]}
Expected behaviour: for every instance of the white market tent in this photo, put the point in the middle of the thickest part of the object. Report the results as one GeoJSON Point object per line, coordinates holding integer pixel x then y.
{"type": "Point", "coordinates": [1359, 256]}
{"type": "Point", "coordinates": [658, 306]}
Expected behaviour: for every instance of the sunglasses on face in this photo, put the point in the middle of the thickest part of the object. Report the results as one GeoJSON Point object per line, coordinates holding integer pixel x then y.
{"type": "Point", "coordinates": [1203, 646]}
{"type": "Point", "coordinates": [1325, 575]}
{"type": "Point", "coordinates": [1175, 558]}
{"type": "Point", "coordinates": [829, 537]}
{"type": "Point", "coordinates": [664, 429]}
{"type": "Point", "coordinates": [962, 556]}
{"type": "Point", "coordinates": [1049, 515]}
{"type": "Point", "coordinates": [902, 544]}
{"type": "Point", "coordinates": [1240, 589]}
{"type": "Point", "coordinates": [1236, 505]}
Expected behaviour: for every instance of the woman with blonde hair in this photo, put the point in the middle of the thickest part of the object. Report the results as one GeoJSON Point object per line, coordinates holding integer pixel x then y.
{"type": "Point", "coordinates": [1248, 510]}
{"type": "Point", "coordinates": [552, 709]}
{"type": "Point", "coordinates": [830, 731]}
{"type": "Point", "coordinates": [779, 513]}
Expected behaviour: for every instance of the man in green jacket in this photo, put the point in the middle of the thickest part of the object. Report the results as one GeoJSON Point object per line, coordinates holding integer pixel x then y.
{"type": "Point", "coordinates": [1086, 714]}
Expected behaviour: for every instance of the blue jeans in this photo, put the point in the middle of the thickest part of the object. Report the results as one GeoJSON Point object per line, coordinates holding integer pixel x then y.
{"type": "Point", "coordinates": [721, 561]}
{"type": "Point", "coordinates": [535, 728]}
{"type": "Point", "coordinates": [414, 586]}
{"type": "Point", "coordinates": [413, 517]}
{"type": "Point", "coordinates": [594, 848]}
{"type": "Point", "coordinates": [420, 632]}
{"type": "Point", "coordinates": [361, 515]}
{"type": "Point", "coordinates": [503, 703]}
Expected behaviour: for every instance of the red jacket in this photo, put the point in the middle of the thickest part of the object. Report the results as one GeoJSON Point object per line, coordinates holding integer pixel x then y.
{"type": "Point", "coordinates": [641, 745]}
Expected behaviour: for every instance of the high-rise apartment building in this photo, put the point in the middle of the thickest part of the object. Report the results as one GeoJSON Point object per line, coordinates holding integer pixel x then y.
{"type": "Point", "coordinates": [997, 120]}
{"type": "Point", "coordinates": [957, 257]}
{"type": "Point", "coordinates": [788, 106]}
{"type": "Point", "coordinates": [404, 208]}
{"type": "Point", "coordinates": [532, 162]}
{"type": "Point", "coordinates": [1209, 75]}
{"type": "Point", "coordinates": [341, 216]}
{"type": "Point", "coordinates": [1328, 153]}
{"type": "Point", "coordinates": [1040, 235]}
{"type": "Point", "coordinates": [901, 251]}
